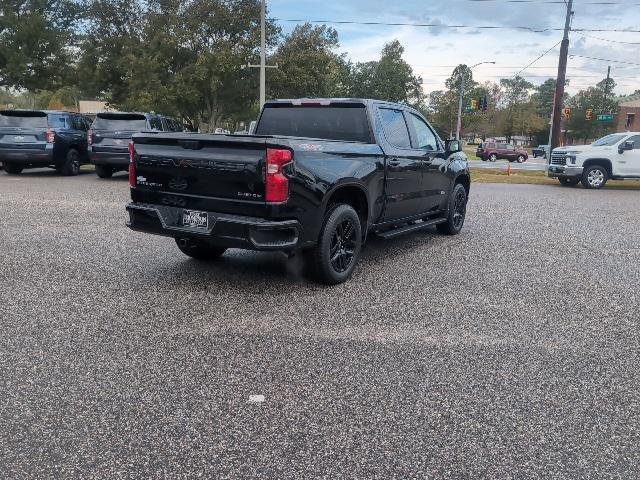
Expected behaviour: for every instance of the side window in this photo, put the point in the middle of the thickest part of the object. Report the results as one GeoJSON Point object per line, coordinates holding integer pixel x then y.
{"type": "Point", "coordinates": [57, 120]}
{"type": "Point", "coordinates": [425, 137]}
{"type": "Point", "coordinates": [395, 128]}
{"type": "Point", "coordinates": [174, 125]}
{"type": "Point", "coordinates": [509, 147]}
{"type": "Point", "coordinates": [78, 123]}
{"type": "Point", "coordinates": [155, 123]}
{"type": "Point", "coordinates": [636, 141]}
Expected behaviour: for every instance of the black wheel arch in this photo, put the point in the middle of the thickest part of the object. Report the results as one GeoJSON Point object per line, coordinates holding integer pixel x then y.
{"type": "Point", "coordinates": [351, 193]}
{"type": "Point", "coordinates": [464, 179]}
{"type": "Point", "coordinates": [604, 162]}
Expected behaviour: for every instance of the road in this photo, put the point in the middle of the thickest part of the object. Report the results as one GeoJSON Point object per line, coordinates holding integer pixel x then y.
{"type": "Point", "coordinates": [531, 164]}
{"type": "Point", "coordinates": [509, 351]}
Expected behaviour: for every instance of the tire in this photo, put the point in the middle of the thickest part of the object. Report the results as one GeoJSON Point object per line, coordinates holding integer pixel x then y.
{"type": "Point", "coordinates": [521, 159]}
{"type": "Point", "coordinates": [12, 168]}
{"type": "Point", "coordinates": [103, 171]}
{"type": "Point", "coordinates": [334, 258]}
{"type": "Point", "coordinates": [199, 250]}
{"type": "Point", "coordinates": [493, 157]}
{"type": "Point", "coordinates": [594, 177]}
{"type": "Point", "coordinates": [568, 182]}
{"type": "Point", "coordinates": [71, 165]}
{"type": "Point", "coordinates": [457, 212]}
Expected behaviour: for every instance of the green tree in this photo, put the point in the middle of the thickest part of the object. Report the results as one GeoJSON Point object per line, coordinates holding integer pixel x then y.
{"type": "Point", "coordinates": [389, 78]}
{"type": "Point", "coordinates": [601, 100]}
{"type": "Point", "coordinates": [307, 64]}
{"type": "Point", "coordinates": [516, 95]}
{"type": "Point", "coordinates": [36, 37]}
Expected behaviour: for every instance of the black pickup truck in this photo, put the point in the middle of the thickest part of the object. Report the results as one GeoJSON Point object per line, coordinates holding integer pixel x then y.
{"type": "Point", "coordinates": [317, 176]}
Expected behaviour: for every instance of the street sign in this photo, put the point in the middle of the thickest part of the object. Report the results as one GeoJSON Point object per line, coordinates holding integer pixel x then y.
{"type": "Point", "coordinates": [467, 108]}
{"type": "Point", "coordinates": [607, 117]}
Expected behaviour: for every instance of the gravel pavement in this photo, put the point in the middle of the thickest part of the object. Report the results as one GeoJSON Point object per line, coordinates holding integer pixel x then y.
{"type": "Point", "coordinates": [510, 351]}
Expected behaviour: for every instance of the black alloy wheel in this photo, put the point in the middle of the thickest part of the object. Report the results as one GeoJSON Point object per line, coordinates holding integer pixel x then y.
{"type": "Point", "coordinates": [457, 212]}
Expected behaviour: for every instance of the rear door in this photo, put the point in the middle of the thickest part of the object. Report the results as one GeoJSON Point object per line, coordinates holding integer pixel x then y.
{"type": "Point", "coordinates": [403, 195]}
{"type": "Point", "coordinates": [426, 147]}
{"type": "Point", "coordinates": [23, 129]}
{"type": "Point", "coordinates": [630, 159]}
{"type": "Point", "coordinates": [111, 132]}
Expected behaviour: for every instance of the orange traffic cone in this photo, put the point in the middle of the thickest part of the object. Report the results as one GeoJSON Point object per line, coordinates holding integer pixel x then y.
{"type": "Point", "coordinates": [509, 169]}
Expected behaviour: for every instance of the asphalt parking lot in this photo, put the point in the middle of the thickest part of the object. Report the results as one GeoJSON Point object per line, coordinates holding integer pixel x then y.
{"type": "Point", "coordinates": [509, 351]}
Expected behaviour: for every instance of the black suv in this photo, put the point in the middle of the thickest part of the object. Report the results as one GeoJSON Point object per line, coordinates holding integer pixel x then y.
{"type": "Point", "coordinates": [43, 138]}
{"type": "Point", "coordinates": [111, 132]}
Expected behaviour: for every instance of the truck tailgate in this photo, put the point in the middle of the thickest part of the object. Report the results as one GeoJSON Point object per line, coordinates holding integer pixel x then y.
{"type": "Point", "coordinates": [212, 172]}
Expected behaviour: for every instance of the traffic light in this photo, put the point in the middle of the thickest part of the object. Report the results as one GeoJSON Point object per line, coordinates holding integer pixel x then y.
{"type": "Point", "coordinates": [589, 113]}
{"type": "Point", "coordinates": [483, 103]}
{"type": "Point", "coordinates": [566, 112]}
{"type": "Point", "coordinates": [474, 104]}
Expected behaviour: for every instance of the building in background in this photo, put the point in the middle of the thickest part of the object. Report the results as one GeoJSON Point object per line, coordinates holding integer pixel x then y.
{"type": "Point", "coordinates": [92, 107]}
{"type": "Point", "coordinates": [629, 115]}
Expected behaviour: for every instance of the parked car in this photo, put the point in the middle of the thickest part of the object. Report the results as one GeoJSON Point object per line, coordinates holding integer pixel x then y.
{"type": "Point", "coordinates": [111, 132]}
{"type": "Point", "coordinates": [540, 151]}
{"type": "Point", "coordinates": [492, 151]}
{"type": "Point", "coordinates": [318, 176]}
{"type": "Point", "coordinates": [615, 156]}
{"type": "Point", "coordinates": [43, 138]}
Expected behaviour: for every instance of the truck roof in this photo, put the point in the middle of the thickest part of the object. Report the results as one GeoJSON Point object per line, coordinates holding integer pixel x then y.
{"type": "Point", "coordinates": [328, 101]}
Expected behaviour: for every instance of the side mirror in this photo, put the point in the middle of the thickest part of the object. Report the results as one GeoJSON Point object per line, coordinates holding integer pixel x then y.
{"type": "Point", "coordinates": [628, 145]}
{"type": "Point", "coordinates": [453, 146]}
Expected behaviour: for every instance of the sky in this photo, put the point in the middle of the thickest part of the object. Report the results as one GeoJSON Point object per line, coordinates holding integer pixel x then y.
{"type": "Point", "coordinates": [434, 51]}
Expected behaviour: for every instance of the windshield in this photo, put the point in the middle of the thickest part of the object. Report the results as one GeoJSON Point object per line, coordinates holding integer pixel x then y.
{"type": "Point", "coordinates": [132, 122]}
{"type": "Point", "coordinates": [23, 119]}
{"type": "Point", "coordinates": [608, 140]}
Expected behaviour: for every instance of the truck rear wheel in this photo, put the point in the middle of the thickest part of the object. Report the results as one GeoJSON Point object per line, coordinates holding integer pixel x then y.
{"type": "Point", "coordinates": [12, 168]}
{"type": "Point", "coordinates": [457, 212]}
{"type": "Point", "coordinates": [336, 254]}
{"type": "Point", "coordinates": [594, 176]}
{"type": "Point", "coordinates": [199, 250]}
{"type": "Point", "coordinates": [103, 171]}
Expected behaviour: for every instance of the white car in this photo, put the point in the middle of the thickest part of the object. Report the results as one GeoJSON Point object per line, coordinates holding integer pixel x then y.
{"type": "Point", "coordinates": [615, 156]}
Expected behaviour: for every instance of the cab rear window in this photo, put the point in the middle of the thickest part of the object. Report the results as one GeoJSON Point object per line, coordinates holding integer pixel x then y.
{"type": "Point", "coordinates": [133, 122]}
{"type": "Point", "coordinates": [27, 119]}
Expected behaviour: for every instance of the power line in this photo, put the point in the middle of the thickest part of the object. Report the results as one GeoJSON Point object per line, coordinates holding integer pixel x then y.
{"type": "Point", "coordinates": [585, 36]}
{"type": "Point", "coordinates": [442, 25]}
{"type": "Point", "coordinates": [552, 2]}
{"type": "Point", "coordinates": [522, 70]}
{"type": "Point", "coordinates": [605, 60]}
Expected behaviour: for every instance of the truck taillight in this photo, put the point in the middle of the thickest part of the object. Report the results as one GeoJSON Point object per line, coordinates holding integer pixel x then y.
{"type": "Point", "coordinates": [276, 188]}
{"type": "Point", "coordinates": [50, 136]}
{"type": "Point", "coordinates": [132, 165]}
{"type": "Point", "coordinates": [90, 137]}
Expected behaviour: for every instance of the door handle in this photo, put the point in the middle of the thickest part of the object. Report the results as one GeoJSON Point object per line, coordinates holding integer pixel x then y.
{"type": "Point", "coordinates": [393, 163]}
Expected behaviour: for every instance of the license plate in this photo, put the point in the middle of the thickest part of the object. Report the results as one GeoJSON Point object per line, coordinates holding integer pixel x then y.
{"type": "Point", "coordinates": [193, 218]}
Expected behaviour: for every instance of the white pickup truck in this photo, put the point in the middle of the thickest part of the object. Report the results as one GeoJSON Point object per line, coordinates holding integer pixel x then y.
{"type": "Point", "coordinates": [615, 156]}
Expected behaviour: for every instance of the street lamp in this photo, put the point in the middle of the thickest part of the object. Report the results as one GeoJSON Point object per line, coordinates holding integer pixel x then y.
{"type": "Point", "coordinates": [459, 124]}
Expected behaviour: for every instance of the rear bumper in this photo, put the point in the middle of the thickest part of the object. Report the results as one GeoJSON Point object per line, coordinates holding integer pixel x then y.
{"type": "Point", "coordinates": [563, 171]}
{"type": "Point", "coordinates": [110, 159]}
{"type": "Point", "coordinates": [224, 230]}
{"type": "Point", "coordinates": [27, 156]}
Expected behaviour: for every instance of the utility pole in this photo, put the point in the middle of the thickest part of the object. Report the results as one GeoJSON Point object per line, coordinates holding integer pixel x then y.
{"type": "Point", "coordinates": [263, 54]}
{"type": "Point", "coordinates": [558, 99]}
{"type": "Point", "coordinates": [606, 88]}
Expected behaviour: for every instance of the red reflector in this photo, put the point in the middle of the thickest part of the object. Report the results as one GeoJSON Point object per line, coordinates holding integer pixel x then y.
{"type": "Point", "coordinates": [132, 165]}
{"type": "Point", "coordinates": [276, 188]}
{"type": "Point", "coordinates": [50, 136]}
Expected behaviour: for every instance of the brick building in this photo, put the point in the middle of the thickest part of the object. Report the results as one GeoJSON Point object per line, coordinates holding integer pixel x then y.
{"type": "Point", "coordinates": [629, 115]}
